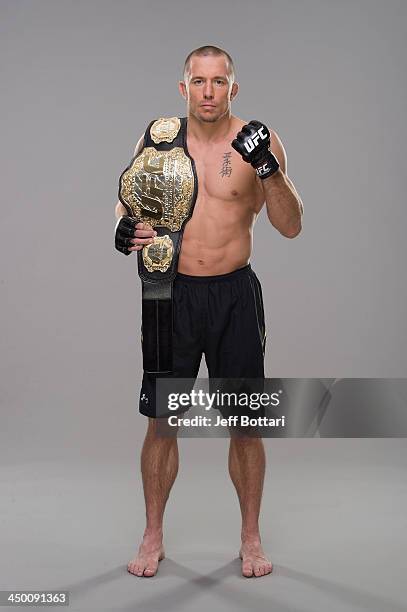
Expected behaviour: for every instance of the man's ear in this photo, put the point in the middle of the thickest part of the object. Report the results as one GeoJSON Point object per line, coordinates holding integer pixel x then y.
{"type": "Point", "coordinates": [234, 90]}
{"type": "Point", "coordinates": [182, 89]}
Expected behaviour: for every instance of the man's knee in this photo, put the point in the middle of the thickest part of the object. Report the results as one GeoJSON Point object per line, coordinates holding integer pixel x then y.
{"type": "Point", "coordinates": [160, 428]}
{"type": "Point", "coordinates": [244, 435]}
{"type": "Point", "coordinates": [243, 443]}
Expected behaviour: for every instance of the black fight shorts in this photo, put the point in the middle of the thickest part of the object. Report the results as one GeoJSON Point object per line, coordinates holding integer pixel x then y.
{"type": "Point", "coordinates": [221, 317]}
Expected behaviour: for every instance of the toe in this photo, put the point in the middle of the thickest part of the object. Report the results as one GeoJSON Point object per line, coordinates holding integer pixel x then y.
{"type": "Point", "coordinates": [149, 571]}
{"type": "Point", "coordinates": [247, 570]}
{"type": "Point", "coordinates": [131, 568]}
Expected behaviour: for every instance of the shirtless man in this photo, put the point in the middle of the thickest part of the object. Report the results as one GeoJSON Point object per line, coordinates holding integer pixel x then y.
{"type": "Point", "coordinates": [217, 242]}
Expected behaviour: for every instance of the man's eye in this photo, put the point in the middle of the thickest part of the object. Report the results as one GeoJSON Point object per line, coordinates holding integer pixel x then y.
{"type": "Point", "coordinates": [219, 82]}
{"type": "Point", "coordinates": [197, 81]}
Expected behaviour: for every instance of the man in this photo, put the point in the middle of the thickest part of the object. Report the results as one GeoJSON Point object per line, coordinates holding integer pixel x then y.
{"type": "Point", "coordinates": [216, 285]}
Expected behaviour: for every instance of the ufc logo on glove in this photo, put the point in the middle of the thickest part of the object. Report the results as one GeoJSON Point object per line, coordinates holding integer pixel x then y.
{"type": "Point", "coordinates": [253, 142]}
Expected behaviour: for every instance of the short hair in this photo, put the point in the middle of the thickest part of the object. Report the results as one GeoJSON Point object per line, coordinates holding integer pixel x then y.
{"type": "Point", "coordinates": [209, 50]}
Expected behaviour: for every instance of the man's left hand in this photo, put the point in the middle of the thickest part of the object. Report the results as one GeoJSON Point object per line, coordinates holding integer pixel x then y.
{"type": "Point", "coordinates": [252, 143]}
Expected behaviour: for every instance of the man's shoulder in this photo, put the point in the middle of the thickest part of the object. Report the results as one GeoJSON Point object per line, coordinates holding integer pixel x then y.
{"type": "Point", "coordinates": [241, 122]}
{"type": "Point", "coordinates": [238, 122]}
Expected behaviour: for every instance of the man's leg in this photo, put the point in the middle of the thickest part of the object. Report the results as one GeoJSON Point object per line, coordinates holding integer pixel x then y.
{"type": "Point", "coordinates": [234, 352]}
{"type": "Point", "coordinates": [159, 457]}
{"type": "Point", "coordinates": [247, 468]}
{"type": "Point", "coordinates": [159, 467]}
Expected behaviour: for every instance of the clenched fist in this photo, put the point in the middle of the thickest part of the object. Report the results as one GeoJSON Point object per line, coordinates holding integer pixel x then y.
{"type": "Point", "coordinates": [252, 142]}
{"type": "Point", "coordinates": [132, 236]}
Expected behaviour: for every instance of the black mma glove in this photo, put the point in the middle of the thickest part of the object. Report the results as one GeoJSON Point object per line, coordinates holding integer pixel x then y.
{"type": "Point", "coordinates": [252, 143]}
{"type": "Point", "coordinates": [124, 232]}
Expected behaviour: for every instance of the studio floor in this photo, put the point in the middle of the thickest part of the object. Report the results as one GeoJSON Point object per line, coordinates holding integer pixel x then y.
{"type": "Point", "coordinates": [333, 522]}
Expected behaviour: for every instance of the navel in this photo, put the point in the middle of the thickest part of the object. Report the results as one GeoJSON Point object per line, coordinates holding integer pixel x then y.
{"type": "Point", "coordinates": [234, 192]}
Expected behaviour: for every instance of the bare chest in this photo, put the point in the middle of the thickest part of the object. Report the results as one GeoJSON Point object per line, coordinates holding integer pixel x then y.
{"type": "Point", "coordinates": [223, 175]}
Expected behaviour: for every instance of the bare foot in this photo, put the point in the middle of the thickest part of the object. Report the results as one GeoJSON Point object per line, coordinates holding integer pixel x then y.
{"type": "Point", "coordinates": [151, 551]}
{"type": "Point", "coordinates": [254, 561]}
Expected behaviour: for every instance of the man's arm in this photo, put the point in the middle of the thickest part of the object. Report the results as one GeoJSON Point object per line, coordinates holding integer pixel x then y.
{"type": "Point", "coordinates": [284, 205]}
{"type": "Point", "coordinates": [263, 149]}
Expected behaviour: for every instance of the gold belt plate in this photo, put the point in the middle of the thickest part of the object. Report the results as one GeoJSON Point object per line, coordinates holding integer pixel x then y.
{"type": "Point", "coordinates": [158, 187]}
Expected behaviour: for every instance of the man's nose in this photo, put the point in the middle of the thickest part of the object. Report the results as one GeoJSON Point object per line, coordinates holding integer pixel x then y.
{"type": "Point", "coordinates": [208, 91]}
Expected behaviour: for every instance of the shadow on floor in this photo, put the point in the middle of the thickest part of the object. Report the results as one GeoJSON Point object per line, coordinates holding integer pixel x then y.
{"type": "Point", "coordinates": [194, 584]}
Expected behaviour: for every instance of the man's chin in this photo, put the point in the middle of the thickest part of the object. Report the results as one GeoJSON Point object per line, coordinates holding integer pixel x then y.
{"type": "Point", "coordinates": [208, 117]}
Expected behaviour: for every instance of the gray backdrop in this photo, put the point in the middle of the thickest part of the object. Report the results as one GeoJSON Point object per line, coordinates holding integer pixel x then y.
{"type": "Point", "coordinates": [80, 81]}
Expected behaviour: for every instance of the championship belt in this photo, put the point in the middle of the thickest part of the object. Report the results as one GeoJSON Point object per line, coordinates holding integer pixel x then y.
{"type": "Point", "coordinates": [159, 187]}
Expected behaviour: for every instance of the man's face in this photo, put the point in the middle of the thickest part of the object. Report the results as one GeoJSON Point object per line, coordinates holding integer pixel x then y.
{"type": "Point", "coordinates": [208, 88]}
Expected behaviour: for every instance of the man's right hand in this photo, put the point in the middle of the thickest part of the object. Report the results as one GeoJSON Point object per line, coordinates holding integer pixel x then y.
{"type": "Point", "coordinates": [132, 236]}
